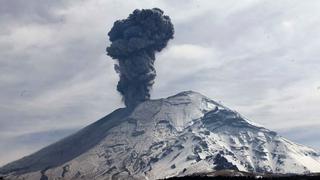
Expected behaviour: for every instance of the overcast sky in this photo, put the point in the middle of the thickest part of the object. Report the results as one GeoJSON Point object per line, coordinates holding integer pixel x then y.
{"type": "Point", "coordinates": [260, 58]}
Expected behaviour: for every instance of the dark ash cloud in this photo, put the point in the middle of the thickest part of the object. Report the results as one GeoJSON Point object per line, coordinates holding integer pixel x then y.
{"type": "Point", "coordinates": [135, 41]}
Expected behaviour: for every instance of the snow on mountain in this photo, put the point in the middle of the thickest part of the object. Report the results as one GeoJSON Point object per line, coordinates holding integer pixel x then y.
{"type": "Point", "coordinates": [181, 135]}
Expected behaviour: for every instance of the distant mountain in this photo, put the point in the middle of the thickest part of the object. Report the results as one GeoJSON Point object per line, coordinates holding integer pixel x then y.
{"type": "Point", "coordinates": [180, 135]}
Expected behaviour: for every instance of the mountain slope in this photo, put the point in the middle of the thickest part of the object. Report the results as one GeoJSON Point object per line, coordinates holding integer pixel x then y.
{"type": "Point", "coordinates": [177, 136]}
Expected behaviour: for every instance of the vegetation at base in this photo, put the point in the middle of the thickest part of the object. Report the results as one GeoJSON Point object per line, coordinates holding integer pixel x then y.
{"type": "Point", "coordinates": [295, 177]}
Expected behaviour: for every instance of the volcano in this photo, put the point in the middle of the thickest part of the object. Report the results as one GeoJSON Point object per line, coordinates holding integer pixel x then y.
{"type": "Point", "coordinates": [181, 135]}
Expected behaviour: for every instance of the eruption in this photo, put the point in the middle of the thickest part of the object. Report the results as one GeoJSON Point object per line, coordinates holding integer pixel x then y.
{"type": "Point", "coordinates": [134, 42]}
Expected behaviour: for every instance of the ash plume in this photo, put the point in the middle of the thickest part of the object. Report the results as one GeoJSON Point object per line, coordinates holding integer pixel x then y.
{"type": "Point", "coordinates": [134, 42]}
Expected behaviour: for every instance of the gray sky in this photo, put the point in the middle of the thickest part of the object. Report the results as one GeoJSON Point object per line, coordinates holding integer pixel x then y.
{"type": "Point", "coordinates": [260, 58]}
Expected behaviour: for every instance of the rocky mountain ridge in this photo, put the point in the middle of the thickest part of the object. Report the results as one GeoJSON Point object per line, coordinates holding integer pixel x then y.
{"type": "Point", "coordinates": [181, 135]}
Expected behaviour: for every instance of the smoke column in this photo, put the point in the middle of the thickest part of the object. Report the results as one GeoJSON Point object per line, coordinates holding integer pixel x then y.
{"type": "Point", "coordinates": [134, 42]}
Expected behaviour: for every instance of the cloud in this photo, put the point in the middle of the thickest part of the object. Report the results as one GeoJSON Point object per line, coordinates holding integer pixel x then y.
{"type": "Point", "coordinates": [18, 11]}
{"type": "Point", "coordinates": [18, 146]}
{"type": "Point", "coordinates": [186, 58]}
{"type": "Point", "coordinates": [303, 135]}
{"type": "Point", "coordinates": [265, 68]}
{"type": "Point", "coordinates": [188, 51]}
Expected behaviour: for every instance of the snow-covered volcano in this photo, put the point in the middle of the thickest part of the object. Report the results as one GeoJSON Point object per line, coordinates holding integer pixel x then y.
{"type": "Point", "coordinates": [181, 135]}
